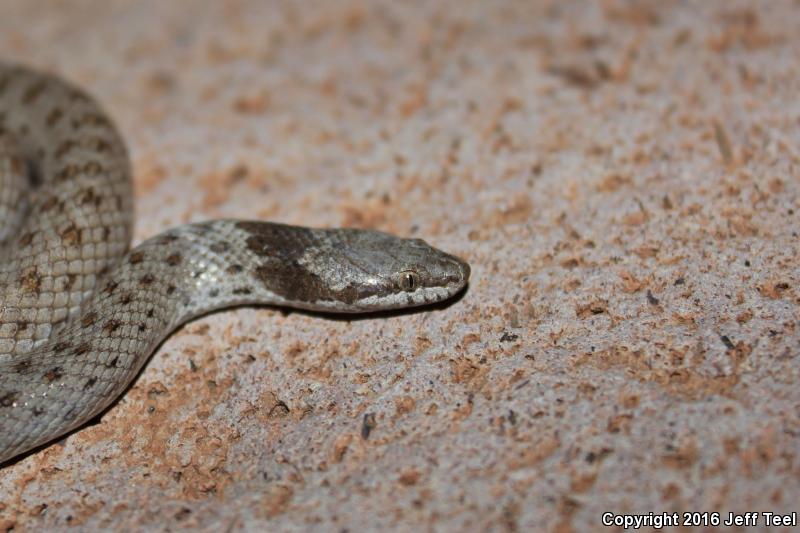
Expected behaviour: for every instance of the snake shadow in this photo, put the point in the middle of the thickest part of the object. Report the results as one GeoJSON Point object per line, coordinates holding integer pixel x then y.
{"type": "Point", "coordinates": [339, 317]}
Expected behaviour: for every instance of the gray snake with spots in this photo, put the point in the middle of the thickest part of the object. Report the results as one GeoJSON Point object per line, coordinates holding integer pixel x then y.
{"type": "Point", "coordinates": [81, 314]}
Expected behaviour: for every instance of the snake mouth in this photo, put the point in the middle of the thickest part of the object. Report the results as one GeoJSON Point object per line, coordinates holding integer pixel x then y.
{"type": "Point", "coordinates": [465, 270]}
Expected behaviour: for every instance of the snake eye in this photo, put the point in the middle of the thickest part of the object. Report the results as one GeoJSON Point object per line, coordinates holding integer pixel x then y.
{"type": "Point", "coordinates": [408, 280]}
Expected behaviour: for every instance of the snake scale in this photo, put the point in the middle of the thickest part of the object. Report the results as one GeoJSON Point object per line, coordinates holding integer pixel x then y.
{"type": "Point", "coordinates": [81, 313]}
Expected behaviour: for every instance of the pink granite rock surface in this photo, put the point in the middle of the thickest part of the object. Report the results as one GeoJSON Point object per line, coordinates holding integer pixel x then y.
{"type": "Point", "coordinates": [623, 177]}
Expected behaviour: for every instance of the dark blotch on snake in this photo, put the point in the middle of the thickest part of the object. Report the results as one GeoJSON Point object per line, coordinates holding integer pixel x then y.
{"type": "Point", "coordinates": [64, 147]}
{"type": "Point", "coordinates": [89, 196]}
{"type": "Point", "coordinates": [61, 346]}
{"type": "Point", "coordinates": [71, 235]}
{"type": "Point", "coordinates": [7, 399]}
{"type": "Point", "coordinates": [89, 319]}
{"type": "Point", "coordinates": [30, 280]}
{"type": "Point", "coordinates": [110, 287]}
{"type": "Point", "coordinates": [111, 325]}
{"type": "Point", "coordinates": [54, 116]}
{"type": "Point", "coordinates": [83, 348]}
{"type": "Point", "coordinates": [293, 282]}
{"type": "Point", "coordinates": [53, 374]}
{"type": "Point", "coordinates": [219, 247]}
{"type": "Point", "coordinates": [49, 204]}
{"type": "Point", "coordinates": [273, 240]}
{"type": "Point", "coordinates": [174, 259]}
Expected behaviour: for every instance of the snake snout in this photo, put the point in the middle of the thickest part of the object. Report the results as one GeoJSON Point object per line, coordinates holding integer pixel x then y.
{"type": "Point", "coordinates": [465, 270]}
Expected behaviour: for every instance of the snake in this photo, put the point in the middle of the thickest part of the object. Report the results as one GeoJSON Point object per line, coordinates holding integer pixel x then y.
{"type": "Point", "coordinates": [81, 311]}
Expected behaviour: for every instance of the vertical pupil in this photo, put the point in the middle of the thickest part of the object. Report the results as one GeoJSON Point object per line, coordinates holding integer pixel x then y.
{"type": "Point", "coordinates": [409, 281]}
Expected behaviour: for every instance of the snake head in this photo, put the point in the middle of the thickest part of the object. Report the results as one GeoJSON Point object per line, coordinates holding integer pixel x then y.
{"type": "Point", "coordinates": [367, 270]}
{"type": "Point", "coordinates": [349, 270]}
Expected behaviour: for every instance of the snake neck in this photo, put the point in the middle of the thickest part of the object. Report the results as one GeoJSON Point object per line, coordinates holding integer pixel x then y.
{"type": "Point", "coordinates": [188, 271]}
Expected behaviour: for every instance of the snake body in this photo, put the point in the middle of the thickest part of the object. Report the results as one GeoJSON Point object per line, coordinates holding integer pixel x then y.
{"type": "Point", "coordinates": [81, 313]}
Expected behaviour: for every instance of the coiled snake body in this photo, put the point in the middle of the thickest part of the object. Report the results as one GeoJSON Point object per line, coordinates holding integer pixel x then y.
{"type": "Point", "coordinates": [80, 316]}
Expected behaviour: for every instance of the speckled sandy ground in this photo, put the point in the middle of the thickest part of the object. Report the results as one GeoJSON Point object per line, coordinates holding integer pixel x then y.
{"type": "Point", "coordinates": [623, 178]}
